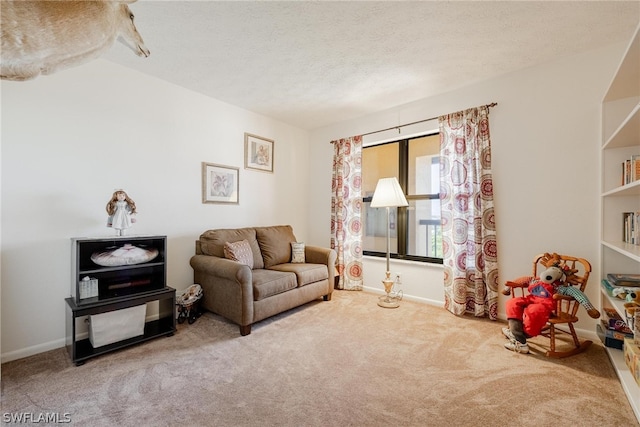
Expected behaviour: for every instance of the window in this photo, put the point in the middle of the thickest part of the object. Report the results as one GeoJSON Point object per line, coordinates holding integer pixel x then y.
{"type": "Point", "coordinates": [416, 233]}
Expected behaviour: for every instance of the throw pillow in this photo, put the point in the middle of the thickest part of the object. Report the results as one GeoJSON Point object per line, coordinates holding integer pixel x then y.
{"type": "Point", "coordinates": [212, 242]}
{"type": "Point", "coordinates": [240, 252]}
{"type": "Point", "coordinates": [297, 252]}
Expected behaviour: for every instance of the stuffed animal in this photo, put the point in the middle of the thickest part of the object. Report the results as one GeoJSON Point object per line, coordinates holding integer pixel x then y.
{"type": "Point", "coordinates": [633, 296]}
{"type": "Point", "coordinates": [627, 294]}
{"type": "Point", "coordinates": [566, 287]}
{"type": "Point", "coordinates": [527, 315]}
{"type": "Point", "coordinates": [563, 285]}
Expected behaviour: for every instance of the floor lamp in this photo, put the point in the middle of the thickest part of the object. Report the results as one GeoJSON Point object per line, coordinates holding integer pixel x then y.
{"type": "Point", "coordinates": [388, 195]}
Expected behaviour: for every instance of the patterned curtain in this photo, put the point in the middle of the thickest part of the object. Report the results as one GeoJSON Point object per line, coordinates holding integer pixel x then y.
{"type": "Point", "coordinates": [346, 207]}
{"type": "Point", "coordinates": [468, 221]}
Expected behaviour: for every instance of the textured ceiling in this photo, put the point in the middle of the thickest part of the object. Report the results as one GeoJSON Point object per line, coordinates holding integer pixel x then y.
{"type": "Point", "coordinates": [314, 63]}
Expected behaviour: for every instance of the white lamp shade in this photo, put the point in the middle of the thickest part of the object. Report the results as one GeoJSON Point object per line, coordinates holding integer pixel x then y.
{"type": "Point", "coordinates": [388, 194]}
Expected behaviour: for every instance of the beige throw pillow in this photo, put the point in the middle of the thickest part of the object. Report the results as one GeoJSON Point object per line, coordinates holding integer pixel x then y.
{"type": "Point", "coordinates": [240, 252]}
{"type": "Point", "coordinates": [297, 252]}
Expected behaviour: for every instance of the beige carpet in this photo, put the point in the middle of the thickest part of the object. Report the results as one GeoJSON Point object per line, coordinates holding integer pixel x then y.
{"type": "Point", "coordinates": [345, 362]}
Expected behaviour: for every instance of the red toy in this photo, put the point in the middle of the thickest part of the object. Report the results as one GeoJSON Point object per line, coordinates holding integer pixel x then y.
{"type": "Point", "coordinates": [528, 314]}
{"type": "Point", "coordinates": [533, 310]}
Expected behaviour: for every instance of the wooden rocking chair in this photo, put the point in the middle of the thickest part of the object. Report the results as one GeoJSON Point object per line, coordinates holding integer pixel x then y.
{"type": "Point", "coordinates": [567, 307]}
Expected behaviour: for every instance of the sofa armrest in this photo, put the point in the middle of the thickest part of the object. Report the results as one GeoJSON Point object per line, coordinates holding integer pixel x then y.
{"type": "Point", "coordinates": [221, 267]}
{"type": "Point", "coordinates": [319, 255]}
{"type": "Point", "coordinates": [227, 286]}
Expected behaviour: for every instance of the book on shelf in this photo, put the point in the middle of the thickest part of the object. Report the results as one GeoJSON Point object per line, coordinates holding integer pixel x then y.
{"type": "Point", "coordinates": [631, 227]}
{"type": "Point", "coordinates": [621, 279]}
{"type": "Point", "coordinates": [627, 171]}
{"type": "Point", "coordinates": [631, 169]}
{"type": "Point", "coordinates": [635, 167]}
{"type": "Point", "coordinates": [608, 341]}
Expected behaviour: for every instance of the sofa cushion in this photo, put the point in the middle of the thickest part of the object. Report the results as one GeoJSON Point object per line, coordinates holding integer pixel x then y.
{"type": "Point", "coordinates": [297, 252]}
{"type": "Point", "coordinates": [212, 242]}
{"type": "Point", "coordinates": [271, 282]}
{"type": "Point", "coordinates": [275, 244]}
{"type": "Point", "coordinates": [239, 251]}
{"type": "Point", "coordinates": [305, 273]}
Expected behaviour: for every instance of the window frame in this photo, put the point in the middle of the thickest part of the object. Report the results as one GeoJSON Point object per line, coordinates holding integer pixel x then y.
{"type": "Point", "coordinates": [403, 212]}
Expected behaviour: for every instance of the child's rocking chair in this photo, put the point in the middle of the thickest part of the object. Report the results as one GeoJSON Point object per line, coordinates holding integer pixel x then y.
{"type": "Point", "coordinates": [567, 307]}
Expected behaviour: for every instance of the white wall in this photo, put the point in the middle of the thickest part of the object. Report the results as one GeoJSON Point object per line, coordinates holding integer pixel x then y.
{"type": "Point", "coordinates": [545, 144]}
{"type": "Point", "coordinates": [70, 139]}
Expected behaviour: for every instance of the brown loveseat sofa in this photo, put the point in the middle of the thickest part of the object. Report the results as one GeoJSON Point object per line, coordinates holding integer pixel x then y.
{"type": "Point", "coordinates": [245, 293]}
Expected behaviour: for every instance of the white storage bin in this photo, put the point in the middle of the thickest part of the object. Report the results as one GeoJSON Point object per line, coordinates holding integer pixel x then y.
{"type": "Point", "coordinates": [118, 325]}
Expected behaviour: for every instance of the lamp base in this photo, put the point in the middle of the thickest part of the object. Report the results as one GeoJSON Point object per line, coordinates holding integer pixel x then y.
{"type": "Point", "coordinates": [388, 302]}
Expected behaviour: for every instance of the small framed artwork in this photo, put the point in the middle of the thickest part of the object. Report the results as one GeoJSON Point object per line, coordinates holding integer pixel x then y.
{"type": "Point", "coordinates": [258, 153]}
{"type": "Point", "coordinates": [220, 184]}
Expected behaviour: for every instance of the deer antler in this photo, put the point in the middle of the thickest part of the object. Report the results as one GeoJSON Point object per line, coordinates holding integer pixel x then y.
{"type": "Point", "coordinates": [550, 260]}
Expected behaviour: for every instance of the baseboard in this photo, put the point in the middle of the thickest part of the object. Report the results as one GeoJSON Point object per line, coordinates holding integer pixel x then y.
{"type": "Point", "coordinates": [51, 345]}
{"type": "Point", "coordinates": [33, 350]}
{"type": "Point", "coordinates": [378, 291]}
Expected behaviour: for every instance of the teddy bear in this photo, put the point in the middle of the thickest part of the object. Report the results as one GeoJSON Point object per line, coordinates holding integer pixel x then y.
{"type": "Point", "coordinates": [527, 315]}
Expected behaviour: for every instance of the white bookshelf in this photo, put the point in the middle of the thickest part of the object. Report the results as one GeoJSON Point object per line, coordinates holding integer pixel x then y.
{"type": "Point", "coordinates": [620, 140]}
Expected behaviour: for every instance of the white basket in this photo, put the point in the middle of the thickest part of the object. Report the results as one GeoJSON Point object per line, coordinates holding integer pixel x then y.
{"type": "Point", "coordinates": [118, 325]}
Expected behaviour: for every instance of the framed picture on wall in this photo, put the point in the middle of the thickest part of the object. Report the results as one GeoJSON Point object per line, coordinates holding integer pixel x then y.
{"type": "Point", "coordinates": [258, 153]}
{"type": "Point", "coordinates": [220, 184]}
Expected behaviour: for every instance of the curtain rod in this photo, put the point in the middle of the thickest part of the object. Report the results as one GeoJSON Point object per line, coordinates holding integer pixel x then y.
{"type": "Point", "coordinates": [493, 104]}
